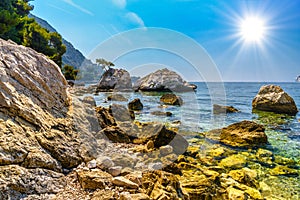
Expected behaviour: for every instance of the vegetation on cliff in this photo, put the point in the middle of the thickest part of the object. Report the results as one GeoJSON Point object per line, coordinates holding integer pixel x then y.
{"type": "Point", "coordinates": [17, 26]}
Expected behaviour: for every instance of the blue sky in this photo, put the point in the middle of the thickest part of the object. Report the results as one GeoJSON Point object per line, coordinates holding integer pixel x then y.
{"type": "Point", "coordinates": [214, 24]}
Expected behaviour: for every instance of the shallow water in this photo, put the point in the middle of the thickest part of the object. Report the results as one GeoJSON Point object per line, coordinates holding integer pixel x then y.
{"type": "Point", "coordinates": [196, 116]}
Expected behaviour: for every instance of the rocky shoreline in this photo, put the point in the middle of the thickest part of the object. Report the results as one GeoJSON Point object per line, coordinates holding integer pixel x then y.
{"type": "Point", "coordinates": [55, 143]}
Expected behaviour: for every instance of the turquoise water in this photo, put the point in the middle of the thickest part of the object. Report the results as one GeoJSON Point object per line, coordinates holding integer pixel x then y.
{"type": "Point", "coordinates": [196, 113]}
{"type": "Point", "coordinates": [196, 116]}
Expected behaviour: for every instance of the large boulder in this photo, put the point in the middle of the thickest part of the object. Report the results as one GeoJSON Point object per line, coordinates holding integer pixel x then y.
{"type": "Point", "coordinates": [244, 134]}
{"type": "Point", "coordinates": [135, 104]}
{"type": "Point", "coordinates": [171, 99]}
{"type": "Point", "coordinates": [163, 80]}
{"type": "Point", "coordinates": [38, 138]}
{"type": "Point", "coordinates": [115, 80]}
{"type": "Point", "coordinates": [273, 98]}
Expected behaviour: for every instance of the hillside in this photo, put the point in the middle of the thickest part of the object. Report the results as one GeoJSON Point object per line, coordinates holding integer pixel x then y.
{"type": "Point", "coordinates": [72, 56]}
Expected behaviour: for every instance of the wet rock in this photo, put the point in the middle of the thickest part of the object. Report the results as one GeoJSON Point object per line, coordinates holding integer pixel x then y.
{"type": "Point", "coordinates": [124, 182]}
{"type": "Point", "coordinates": [218, 109]}
{"type": "Point", "coordinates": [171, 99]}
{"type": "Point", "coordinates": [116, 97]}
{"type": "Point", "coordinates": [280, 170]}
{"type": "Point", "coordinates": [161, 113]}
{"type": "Point", "coordinates": [244, 134]}
{"type": "Point", "coordinates": [245, 176]}
{"type": "Point", "coordinates": [265, 157]}
{"type": "Point", "coordinates": [273, 98]}
{"type": "Point", "coordinates": [94, 179]}
{"type": "Point", "coordinates": [163, 80]}
{"type": "Point", "coordinates": [115, 80]}
{"type": "Point", "coordinates": [162, 185]}
{"type": "Point", "coordinates": [135, 104]}
{"type": "Point", "coordinates": [234, 162]}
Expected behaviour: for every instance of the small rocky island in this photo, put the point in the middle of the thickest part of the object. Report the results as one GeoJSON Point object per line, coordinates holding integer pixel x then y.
{"type": "Point", "coordinates": [56, 143]}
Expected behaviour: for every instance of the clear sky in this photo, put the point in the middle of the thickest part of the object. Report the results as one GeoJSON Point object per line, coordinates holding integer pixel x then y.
{"type": "Point", "coordinates": [255, 40]}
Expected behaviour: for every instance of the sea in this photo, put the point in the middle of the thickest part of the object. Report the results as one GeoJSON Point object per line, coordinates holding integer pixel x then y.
{"type": "Point", "coordinates": [196, 116]}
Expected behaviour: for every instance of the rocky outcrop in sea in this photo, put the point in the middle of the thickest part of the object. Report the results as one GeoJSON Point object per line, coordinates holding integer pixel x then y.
{"type": "Point", "coordinates": [273, 98]}
{"type": "Point", "coordinates": [163, 80]}
{"type": "Point", "coordinates": [115, 80]}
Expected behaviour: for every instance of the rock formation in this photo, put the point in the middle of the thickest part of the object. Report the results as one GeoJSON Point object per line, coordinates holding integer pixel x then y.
{"type": "Point", "coordinates": [115, 80]}
{"type": "Point", "coordinates": [163, 80]}
{"type": "Point", "coordinates": [272, 98]}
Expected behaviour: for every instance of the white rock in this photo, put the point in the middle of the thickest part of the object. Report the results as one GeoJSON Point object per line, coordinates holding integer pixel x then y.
{"type": "Point", "coordinates": [124, 182]}
{"type": "Point", "coordinates": [165, 150]}
{"type": "Point", "coordinates": [104, 162]}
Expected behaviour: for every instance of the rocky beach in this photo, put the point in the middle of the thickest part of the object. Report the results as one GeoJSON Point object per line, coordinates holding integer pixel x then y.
{"type": "Point", "coordinates": [118, 140]}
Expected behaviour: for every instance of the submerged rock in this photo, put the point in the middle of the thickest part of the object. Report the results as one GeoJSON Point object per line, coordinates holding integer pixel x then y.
{"type": "Point", "coordinates": [218, 109]}
{"type": "Point", "coordinates": [244, 134]}
{"type": "Point", "coordinates": [163, 80]}
{"type": "Point", "coordinates": [171, 99]}
{"type": "Point", "coordinates": [115, 80]}
{"type": "Point", "coordinates": [273, 98]}
{"type": "Point", "coordinates": [116, 97]}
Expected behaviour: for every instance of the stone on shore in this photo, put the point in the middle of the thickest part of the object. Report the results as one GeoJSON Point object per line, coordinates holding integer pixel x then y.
{"type": "Point", "coordinates": [273, 98]}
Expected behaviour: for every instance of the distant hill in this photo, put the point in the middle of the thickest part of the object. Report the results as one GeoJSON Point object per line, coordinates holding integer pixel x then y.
{"type": "Point", "coordinates": [72, 56]}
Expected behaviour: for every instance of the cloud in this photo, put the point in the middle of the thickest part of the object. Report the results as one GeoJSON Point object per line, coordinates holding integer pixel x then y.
{"type": "Point", "coordinates": [134, 18]}
{"type": "Point", "coordinates": [71, 3]}
{"type": "Point", "coordinates": [120, 3]}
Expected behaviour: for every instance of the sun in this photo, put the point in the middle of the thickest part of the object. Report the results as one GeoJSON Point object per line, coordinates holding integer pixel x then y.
{"type": "Point", "coordinates": [252, 29]}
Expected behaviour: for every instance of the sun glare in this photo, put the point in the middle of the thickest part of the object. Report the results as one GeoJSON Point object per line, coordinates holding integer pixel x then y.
{"type": "Point", "coordinates": [252, 29]}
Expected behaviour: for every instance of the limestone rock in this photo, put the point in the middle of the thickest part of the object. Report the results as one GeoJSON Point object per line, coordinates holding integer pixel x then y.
{"type": "Point", "coordinates": [244, 134]}
{"type": "Point", "coordinates": [135, 104]}
{"type": "Point", "coordinates": [162, 185]}
{"type": "Point", "coordinates": [124, 182]}
{"type": "Point", "coordinates": [233, 162]}
{"type": "Point", "coordinates": [163, 80]}
{"type": "Point", "coordinates": [171, 99]}
{"type": "Point", "coordinates": [281, 170]}
{"type": "Point", "coordinates": [121, 113]}
{"type": "Point", "coordinates": [94, 179]}
{"type": "Point", "coordinates": [218, 109]}
{"type": "Point", "coordinates": [115, 80]}
{"type": "Point", "coordinates": [16, 181]}
{"type": "Point", "coordinates": [273, 98]}
{"type": "Point", "coordinates": [89, 100]}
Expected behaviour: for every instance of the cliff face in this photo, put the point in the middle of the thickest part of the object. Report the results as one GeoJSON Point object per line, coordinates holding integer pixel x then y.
{"type": "Point", "coordinates": [37, 139]}
{"type": "Point", "coordinates": [72, 56]}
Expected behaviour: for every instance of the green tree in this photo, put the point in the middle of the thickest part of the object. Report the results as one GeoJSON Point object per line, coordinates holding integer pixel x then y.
{"type": "Point", "coordinates": [15, 25]}
{"type": "Point", "coordinates": [104, 63]}
{"type": "Point", "coordinates": [69, 72]}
